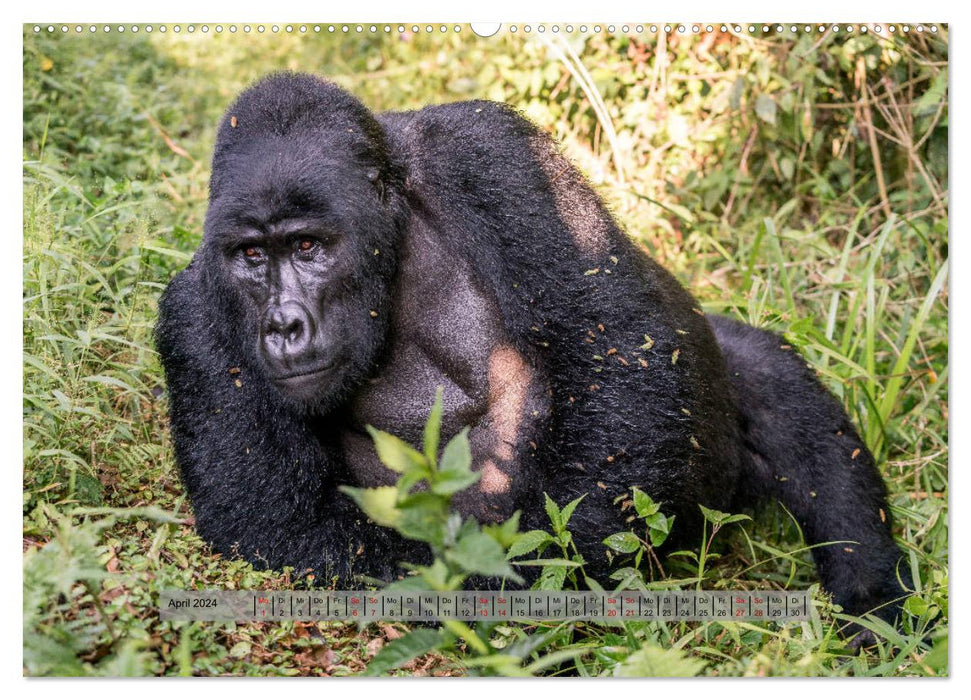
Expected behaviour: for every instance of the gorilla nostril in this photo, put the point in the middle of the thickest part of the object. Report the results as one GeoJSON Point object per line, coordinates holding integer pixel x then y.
{"type": "Point", "coordinates": [293, 330]}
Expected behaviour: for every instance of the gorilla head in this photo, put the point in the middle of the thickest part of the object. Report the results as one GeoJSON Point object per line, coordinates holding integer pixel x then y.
{"type": "Point", "coordinates": [300, 236]}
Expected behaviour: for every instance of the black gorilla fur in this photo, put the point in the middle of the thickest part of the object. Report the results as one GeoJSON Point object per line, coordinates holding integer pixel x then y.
{"type": "Point", "coordinates": [472, 255]}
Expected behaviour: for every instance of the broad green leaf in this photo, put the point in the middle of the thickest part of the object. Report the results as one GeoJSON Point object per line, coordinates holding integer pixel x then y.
{"type": "Point", "coordinates": [735, 95]}
{"type": "Point", "coordinates": [447, 483]}
{"type": "Point", "coordinates": [628, 578]}
{"type": "Point", "coordinates": [433, 429]}
{"type": "Point", "coordinates": [240, 649]}
{"type": "Point", "coordinates": [739, 517]}
{"type": "Point", "coordinates": [659, 521]}
{"type": "Point", "coordinates": [931, 99]}
{"type": "Point", "coordinates": [457, 455]}
{"type": "Point", "coordinates": [378, 503]}
{"type": "Point", "coordinates": [915, 605]}
{"type": "Point", "coordinates": [422, 517]}
{"type": "Point", "coordinates": [644, 504]}
{"type": "Point", "coordinates": [937, 657]}
{"type": "Point", "coordinates": [436, 575]}
{"type": "Point", "coordinates": [659, 527]}
{"type": "Point", "coordinates": [408, 584]}
{"type": "Point", "coordinates": [528, 542]}
{"type": "Point", "coordinates": [504, 533]}
{"type": "Point", "coordinates": [480, 554]}
{"type": "Point", "coordinates": [396, 454]}
{"type": "Point", "coordinates": [715, 517]}
{"type": "Point", "coordinates": [624, 542]}
{"type": "Point", "coordinates": [551, 579]}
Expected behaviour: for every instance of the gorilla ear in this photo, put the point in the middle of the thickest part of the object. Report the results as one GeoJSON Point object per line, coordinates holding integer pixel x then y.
{"type": "Point", "coordinates": [374, 177]}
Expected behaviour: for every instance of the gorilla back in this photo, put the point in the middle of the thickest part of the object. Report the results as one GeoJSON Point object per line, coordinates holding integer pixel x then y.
{"type": "Point", "coordinates": [353, 263]}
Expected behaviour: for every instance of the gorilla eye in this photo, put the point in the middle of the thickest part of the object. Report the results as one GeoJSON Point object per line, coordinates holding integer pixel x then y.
{"type": "Point", "coordinates": [253, 253]}
{"type": "Point", "coordinates": [306, 247]}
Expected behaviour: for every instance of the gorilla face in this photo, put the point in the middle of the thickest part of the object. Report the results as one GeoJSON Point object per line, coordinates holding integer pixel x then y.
{"type": "Point", "coordinates": [300, 238]}
{"type": "Point", "coordinates": [297, 273]}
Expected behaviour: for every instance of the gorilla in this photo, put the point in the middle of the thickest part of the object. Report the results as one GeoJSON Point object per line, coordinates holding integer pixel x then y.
{"type": "Point", "coordinates": [352, 263]}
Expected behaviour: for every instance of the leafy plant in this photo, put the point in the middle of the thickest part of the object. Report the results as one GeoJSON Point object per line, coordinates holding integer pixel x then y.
{"type": "Point", "coordinates": [657, 527]}
{"type": "Point", "coordinates": [556, 571]}
{"type": "Point", "coordinates": [418, 507]}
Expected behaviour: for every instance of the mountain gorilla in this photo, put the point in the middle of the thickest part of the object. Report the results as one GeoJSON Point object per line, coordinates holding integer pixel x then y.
{"type": "Point", "coordinates": [353, 263]}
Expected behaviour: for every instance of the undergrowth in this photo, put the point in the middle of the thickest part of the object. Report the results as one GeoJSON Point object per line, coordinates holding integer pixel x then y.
{"type": "Point", "coordinates": [796, 181]}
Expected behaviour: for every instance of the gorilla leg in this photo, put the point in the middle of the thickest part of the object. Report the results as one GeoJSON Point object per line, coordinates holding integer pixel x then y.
{"type": "Point", "coordinates": [801, 449]}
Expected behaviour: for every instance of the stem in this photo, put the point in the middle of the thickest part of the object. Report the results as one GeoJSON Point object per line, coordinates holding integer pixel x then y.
{"type": "Point", "coordinates": [702, 554]}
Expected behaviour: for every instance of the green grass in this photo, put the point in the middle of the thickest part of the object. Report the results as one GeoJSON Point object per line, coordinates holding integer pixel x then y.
{"type": "Point", "coordinates": [747, 166]}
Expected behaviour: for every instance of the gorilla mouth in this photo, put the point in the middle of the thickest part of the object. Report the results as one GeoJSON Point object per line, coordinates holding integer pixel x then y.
{"type": "Point", "coordinates": [302, 374]}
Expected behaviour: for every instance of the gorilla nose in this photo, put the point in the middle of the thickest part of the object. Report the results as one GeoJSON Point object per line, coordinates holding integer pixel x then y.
{"type": "Point", "coordinates": [287, 332]}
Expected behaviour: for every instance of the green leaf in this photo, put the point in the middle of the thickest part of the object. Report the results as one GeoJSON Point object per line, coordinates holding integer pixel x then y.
{"type": "Point", "coordinates": [915, 605]}
{"type": "Point", "coordinates": [567, 511]}
{"type": "Point", "coordinates": [715, 517]}
{"type": "Point", "coordinates": [735, 518]}
{"type": "Point", "coordinates": [504, 533]}
{"type": "Point", "coordinates": [433, 429]}
{"type": "Point", "coordinates": [628, 578]}
{"type": "Point", "coordinates": [378, 503]}
{"type": "Point", "coordinates": [434, 577]}
{"type": "Point", "coordinates": [528, 542]}
{"type": "Point", "coordinates": [422, 517]}
{"type": "Point", "coordinates": [624, 542]}
{"type": "Point", "coordinates": [551, 579]}
{"type": "Point", "coordinates": [765, 109]}
{"type": "Point", "coordinates": [478, 553]}
{"type": "Point", "coordinates": [409, 584]}
{"type": "Point", "coordinates": [654, 661]}
{"type": "Point", "coordinates": [447, 483]}
{"type": "Point", "coordinates": [553, 512]}
{"type": "Point", "coordinates": [644, 504]}
{"type": "Point", "coordinates": [659, 527]}
{"type": "Point", "coordinates": [550, 562]}
{"type": "Point", "coordinates": [937, 658]}
{"type": "Point", "coordinates": [404, 649]}
{"type": "Point", "coordinates": [735, 95]}
{"type": "Point", "coordinates": [457, 455]}
{"type": "Point", "coordinates": [455, 470]}
{"type": "Point", "coordinates": [396, 454]}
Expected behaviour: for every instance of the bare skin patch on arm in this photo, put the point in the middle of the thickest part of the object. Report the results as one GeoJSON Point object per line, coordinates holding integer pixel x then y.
{"type": "Point", "coordinates": [509, 382]}
{"type": "Point", "coordinates": [503, 441]}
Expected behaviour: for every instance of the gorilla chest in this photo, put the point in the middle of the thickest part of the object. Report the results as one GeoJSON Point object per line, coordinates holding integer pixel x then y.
{"type": "Point", "coordinates": [447, 332]}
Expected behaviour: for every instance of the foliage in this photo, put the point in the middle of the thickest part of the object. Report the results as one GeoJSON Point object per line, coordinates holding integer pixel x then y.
{"type": "Point", "coordinates": [798, 181]}
{"type": "Point", "coordinates": [418, 507]}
